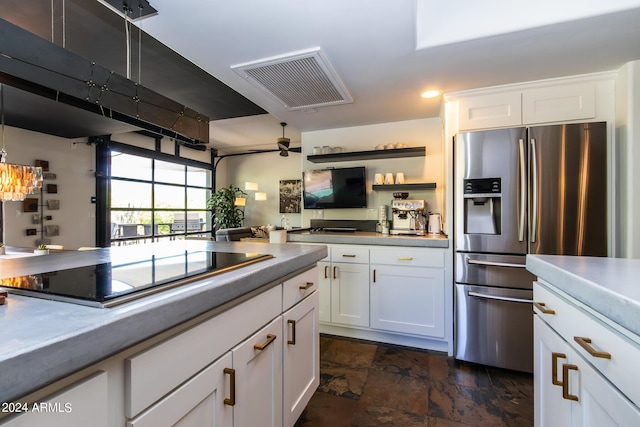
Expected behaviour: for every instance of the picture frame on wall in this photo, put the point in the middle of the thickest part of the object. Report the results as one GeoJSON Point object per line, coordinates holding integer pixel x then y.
{"type": "Point", "coordinates": [52, 188]}
{"type": "Point", "coordinates": [44, 164]}
{"type": "Point", "coordinates": [32, 231]}
{"type": "Point", "coordinates": [53, 204]}
{"type": "Point", "coordinates": [30, 205]}
{"type": "Point", "coordinates": [36, 218]}
{"type": "Point", "coordinates": [52, 230]}
{"type": "Point", "coordinates": [290, 195]}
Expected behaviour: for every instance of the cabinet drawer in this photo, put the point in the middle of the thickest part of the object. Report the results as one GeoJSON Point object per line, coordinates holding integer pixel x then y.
{"type": "Point", "coordinates": [299, 287]}
{"type": "Point", "coordinates": [571, 322]}
{"type": "Point", "coordinates": [350, 254]}
{"type": "Point", "coordinates": [409, 257]}
{"type": "Point", "coordinates": [157, 371]}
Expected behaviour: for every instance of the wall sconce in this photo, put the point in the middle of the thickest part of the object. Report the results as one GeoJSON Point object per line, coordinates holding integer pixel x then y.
{"type": "Point", "coordinates": [251, 186]}
{"type": "Point", "coordinates": [261, 196]}
{"type": "Point", "coordinates": [240, 201]}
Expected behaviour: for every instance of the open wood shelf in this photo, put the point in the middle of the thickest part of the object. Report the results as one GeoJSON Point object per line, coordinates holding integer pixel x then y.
{"type": "Point", "coordinates": [395, 153]}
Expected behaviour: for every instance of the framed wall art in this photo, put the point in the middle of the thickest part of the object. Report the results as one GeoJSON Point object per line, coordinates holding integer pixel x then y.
{"type": "Point", "coordinates": [290, 195]}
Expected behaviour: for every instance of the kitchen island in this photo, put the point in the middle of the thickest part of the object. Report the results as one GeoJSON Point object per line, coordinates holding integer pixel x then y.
{"type": "Point", "coordinates": [586, 340]}
{"type": "Point", "coordinates": [369, 238]}
{"type": "Point", "coordinates": [43, 341]}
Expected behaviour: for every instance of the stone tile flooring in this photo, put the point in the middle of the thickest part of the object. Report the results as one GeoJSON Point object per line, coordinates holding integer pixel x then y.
{"type": "Point", "coordinates": [367, 384]}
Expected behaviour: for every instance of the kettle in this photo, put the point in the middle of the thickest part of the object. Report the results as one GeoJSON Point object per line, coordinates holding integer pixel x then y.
{"type": "Point", "coordinates": [435, 223]}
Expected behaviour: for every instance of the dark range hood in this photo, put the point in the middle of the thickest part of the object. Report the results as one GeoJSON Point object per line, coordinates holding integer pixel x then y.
{"type": "Point", "coordinates": [58, 91]}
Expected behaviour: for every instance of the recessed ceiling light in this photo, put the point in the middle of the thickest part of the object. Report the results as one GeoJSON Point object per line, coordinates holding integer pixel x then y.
{"type": "Point", "coordinates": [430, 93]}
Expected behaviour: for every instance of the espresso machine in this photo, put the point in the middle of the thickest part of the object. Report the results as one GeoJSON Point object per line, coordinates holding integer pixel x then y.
{"type": "Point", "coordinates": [408, 216]}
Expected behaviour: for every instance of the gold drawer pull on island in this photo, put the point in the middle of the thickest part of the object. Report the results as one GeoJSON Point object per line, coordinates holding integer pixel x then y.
{"type": "Point", "coordinates": [307, 286]}
{"type": "Point", "coordinates": [292, 341]}
{"type": "Point", "coordinates": [542, 307]}
{"type": "Point", "coordinates": [586, 344]}
{"type": "Point", "coordinates": [565, 382]}
{"type": "Point", "coordinates": [405, 258]}
{"type": "Point", "coordinates": [554, 367]}
{"type": "Point", "coordinates": [264, 345]}
{"type": "Point", "coordinates": [231, 400]}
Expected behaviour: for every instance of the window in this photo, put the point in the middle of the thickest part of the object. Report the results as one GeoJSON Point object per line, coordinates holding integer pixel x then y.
{"type": "Point", "coordinates": [154, 199]}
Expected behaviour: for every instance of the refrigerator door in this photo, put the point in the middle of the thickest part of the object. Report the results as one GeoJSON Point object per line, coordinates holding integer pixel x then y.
{"type": "Point", "coordinates": [504, 271]}
{"type": "Point", "coordinates": [490, 188]}
{"type": "Point", "coordinates": [568, 189]}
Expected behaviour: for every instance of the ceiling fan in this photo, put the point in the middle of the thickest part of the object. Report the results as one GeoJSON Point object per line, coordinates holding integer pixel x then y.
{"type": "Point", "coordinates": [283, 144]}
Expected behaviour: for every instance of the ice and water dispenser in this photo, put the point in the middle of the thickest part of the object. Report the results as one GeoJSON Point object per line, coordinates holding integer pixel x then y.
{"type": "Point", "coordinates": [482, 206]}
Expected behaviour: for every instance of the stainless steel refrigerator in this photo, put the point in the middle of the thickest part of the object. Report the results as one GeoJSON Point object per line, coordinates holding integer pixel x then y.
{"type": "Point", "coordinates": [537, 190]}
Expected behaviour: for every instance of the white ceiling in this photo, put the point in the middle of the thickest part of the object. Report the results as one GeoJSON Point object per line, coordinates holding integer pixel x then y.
{"type": "Point", "coordinates": [372, 46]}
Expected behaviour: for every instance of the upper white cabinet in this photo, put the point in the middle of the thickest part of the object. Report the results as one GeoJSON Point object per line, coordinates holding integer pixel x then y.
{"type": "Point", "coordinates": [571, 102]}
{"type": "Point", "coordinates": [490, 111]}
{"type": "Point", "coordinates": [547, 104]}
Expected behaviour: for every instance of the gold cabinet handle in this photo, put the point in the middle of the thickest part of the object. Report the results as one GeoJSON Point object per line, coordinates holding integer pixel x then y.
{"type": "Point", "coordinates": [305, 287]}
{"type": "Point", "coordinates": [292, 341]}
{"type": "Point", "coordinates": [586, 344]}
{"type": "Point", "coordinates": [405, 258]}
{"type": "Point", "coordinates": [335, 272]}
{"type": "Point", "coordinates": [554, 367]}
{"type": "Point", "coordinates": [231, 400]}
{"type": "Point", "coordinates": [565, 381]}
{"type": "Point", "coordinates": [543, 308]}
{"type": "Point", "coordinates": [348, 256]}
{"type": "Point", "coordinates": [270, 339]}
{"type": "Point", "coordinates": [326, 271]}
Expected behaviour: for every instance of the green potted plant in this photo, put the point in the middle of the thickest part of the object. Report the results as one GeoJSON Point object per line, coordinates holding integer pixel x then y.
{"type": "Point", "coordinates": [224, 211]}
{"type": "Point", "coordinates": [41, 250]}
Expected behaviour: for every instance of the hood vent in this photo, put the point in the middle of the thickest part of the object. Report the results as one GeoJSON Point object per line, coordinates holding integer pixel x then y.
{"type": "Point", "coordinates": [300, 81]}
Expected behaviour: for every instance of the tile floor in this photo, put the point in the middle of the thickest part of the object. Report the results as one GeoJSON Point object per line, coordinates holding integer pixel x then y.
{"type": "Point", "coordinates": [367, 384]}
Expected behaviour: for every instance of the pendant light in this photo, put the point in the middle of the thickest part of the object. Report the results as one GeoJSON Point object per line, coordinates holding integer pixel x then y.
{"type": "Point", "coordinates": [16, 181]}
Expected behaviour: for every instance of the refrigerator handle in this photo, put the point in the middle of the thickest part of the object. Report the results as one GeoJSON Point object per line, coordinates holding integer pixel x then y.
{"type": "Point", "coordinates": [499, 298]}
{"type": "Point", "coordinates": [534, 191]}
{"type": "Point", "coordinates": [523, 191]}
{"type": "Point", "coordinates": [495, 263]}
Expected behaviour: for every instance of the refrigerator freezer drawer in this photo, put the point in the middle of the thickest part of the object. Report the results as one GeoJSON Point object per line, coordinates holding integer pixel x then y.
{"type": "Point", "coordinates": [494, 327]}
{"type": "Point", "coordinates": [504, 271]}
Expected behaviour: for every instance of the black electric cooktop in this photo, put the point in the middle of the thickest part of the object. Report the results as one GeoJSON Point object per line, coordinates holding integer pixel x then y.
{"type": "Point", "coordinates": [122, 280]}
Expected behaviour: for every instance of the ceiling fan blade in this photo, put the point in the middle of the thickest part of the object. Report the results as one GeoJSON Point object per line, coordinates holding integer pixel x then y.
{"type": "Point", "coordinates": [296, 149]}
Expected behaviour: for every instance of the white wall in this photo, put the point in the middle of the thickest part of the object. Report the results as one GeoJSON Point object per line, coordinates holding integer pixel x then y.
{"type": "Point", "coordinates": [415, 133]}
{"type": "Point", "coordinates": [73, 162]}
{"type": "Point", "coordinates": [267, 170]}
{"type": "Point", "coordinates": [628, 154]}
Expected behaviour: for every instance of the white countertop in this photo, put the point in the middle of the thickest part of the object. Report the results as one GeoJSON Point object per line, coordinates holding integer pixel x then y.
{"type": "Point", "coordinates": [42, 341]}
{"type": "Point", "coordinates": [610, 286]}
{"type": "Point", "coordinates": [369, 238]}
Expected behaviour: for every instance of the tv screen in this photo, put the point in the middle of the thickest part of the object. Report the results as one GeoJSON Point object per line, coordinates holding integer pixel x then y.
{"type": "Point", "coordinates": [334, 188]}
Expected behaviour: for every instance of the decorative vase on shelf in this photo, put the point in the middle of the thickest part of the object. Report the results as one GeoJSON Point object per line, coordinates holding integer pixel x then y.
{"type": "Point", "coordinates": [39, 251]}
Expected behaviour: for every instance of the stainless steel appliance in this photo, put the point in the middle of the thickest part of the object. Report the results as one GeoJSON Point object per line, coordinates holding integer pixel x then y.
{"type": "Point", "coordinates": [538, 190]}
{"type": "Point", "coordinates": [406, 214]}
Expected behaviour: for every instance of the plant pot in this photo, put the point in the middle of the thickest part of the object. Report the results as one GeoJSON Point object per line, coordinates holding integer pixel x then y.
{"type": "Point", "coordinates": [3, 250]}
{"type": "Point", "coordinates": [41, 251]}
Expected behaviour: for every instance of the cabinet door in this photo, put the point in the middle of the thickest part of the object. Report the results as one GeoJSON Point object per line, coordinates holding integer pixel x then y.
{"type": "Point", "coordinates": [550, 353]}
{"type": "Point", "coordinates": [560, 103]}
{"type": "Point", "coordinates": [490, 111]}
{"type": "Point", "coordinates": [408, 300]}
{"type": "Point", "coordinates": [324, 288]}
{"type": "Point", "coordinates": [301, 374]}
{"type": "Point", "coordinates": [350, 294]}
{"type": "Point", "coordinates": [258, 374]}
{"type": "Point", "coordinates": [80, 405]}
{"type": "Point", "coordinates": [199, 402]}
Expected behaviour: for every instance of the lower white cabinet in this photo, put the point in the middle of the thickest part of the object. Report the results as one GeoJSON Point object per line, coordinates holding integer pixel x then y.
{"type": "Point", "coordinates": [583, 371]}
{"type": "Point", "coordinates": [79, 405]}
{"type": "Point", "coordinates": [258, 378]}
{"type": "Point", "coordinates": [350, 294]}
{"type": "Point", "coordinates": [204, 400]}
{"type": "Point", "coordinates": [301, 342]}
{"type": "Point", "coordinates": [408, 300]}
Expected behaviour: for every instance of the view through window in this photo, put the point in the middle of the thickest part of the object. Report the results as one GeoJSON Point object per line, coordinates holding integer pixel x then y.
{"type": "Point", "coordinates": [153, 200]}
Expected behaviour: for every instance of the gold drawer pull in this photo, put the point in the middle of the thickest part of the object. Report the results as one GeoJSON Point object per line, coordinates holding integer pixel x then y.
{"type": "Point", "coordinates": [231, 400]}
{"type": "Point", "coordinates": [292, 341]}
{"type": "Point", "coordinates": [405, 258]}
{"type": "Point", "coordinates": [270, 339]}
{"type": "Point", "coordinates": [307, 286]}
{"type": "Point", "coordinates": [543, 308]}
{"type": "Point", "coordinates": [348, 256]}
{"type": "Point", "coordinates": [586, 344]}
{"type": "Point", "coordinates": [326, 271]}
{"type": "Point", "coordinates": [554, 367]}
{"type": "Point", "coordinates": [565, 382]}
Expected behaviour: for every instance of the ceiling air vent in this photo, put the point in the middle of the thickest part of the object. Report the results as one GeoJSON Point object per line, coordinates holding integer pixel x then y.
{"type": "Point", "coordinates": [301, 80]}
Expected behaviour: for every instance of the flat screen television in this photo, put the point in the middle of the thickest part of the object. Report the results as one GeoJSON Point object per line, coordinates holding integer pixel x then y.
{"type": "Point", "coordinates": [334, 188]}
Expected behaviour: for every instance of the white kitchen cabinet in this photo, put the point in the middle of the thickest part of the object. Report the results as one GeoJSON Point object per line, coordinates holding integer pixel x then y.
{"type": "Point", "coordinates": [258, 378]}
{"type": "Point", "coordinates": [490, 111]}
{"type": "Point", "coordinates": [584, 370]}
{"type": "Point", "coordinates": [301, 354]}
{"type": "Point", "coordinates": [204, 400]}
{"type": "Point", "coordinates": [79, 405]}
{"type": "Point", "coordinates": [324, 288]}
{"type": "Point", "coordinates": [554, 104]}
{"type": "Point", "coordinates": [408, 300]}
{"type": "Point", "coordinates": [350, 294]}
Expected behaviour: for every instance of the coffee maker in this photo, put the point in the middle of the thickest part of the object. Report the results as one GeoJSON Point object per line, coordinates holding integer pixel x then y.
{"type": "Point", "coordinates": [408, 216]}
